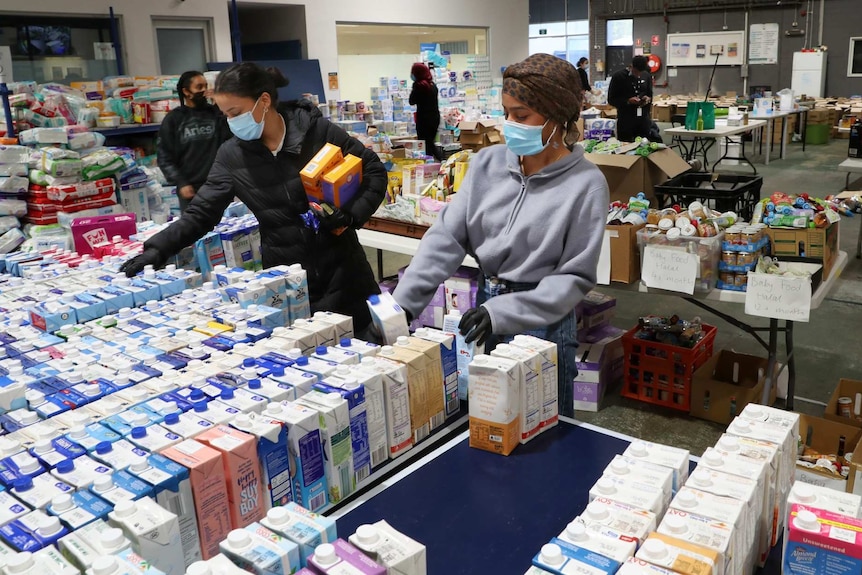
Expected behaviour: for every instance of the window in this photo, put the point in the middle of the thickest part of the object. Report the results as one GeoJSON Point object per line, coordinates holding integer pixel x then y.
{"type": "Point", "coordinates": [854, 59]}
{"type": "Point", "coordinates": [620, 32]}
{"type": "Point", "coordinates": [568, 40]}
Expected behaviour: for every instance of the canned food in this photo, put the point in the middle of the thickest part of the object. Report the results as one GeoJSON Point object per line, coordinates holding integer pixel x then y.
{"type": "Point", "coordinates": [729, 258]}
{"type": "Point", "coordinates": [741, 280]}
{"type": "Point", "coordinates": [747, 237]}
{"type": "Point", "coordinates": [727, 278]}
{"type": "Point", "coordinates": [746, 258]}
{"type": "Point", "coordinates": [733, 237]}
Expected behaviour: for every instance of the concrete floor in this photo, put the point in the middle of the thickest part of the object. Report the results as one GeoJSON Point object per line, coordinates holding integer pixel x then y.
{"type": "Point", "coordinates": [825, 347]}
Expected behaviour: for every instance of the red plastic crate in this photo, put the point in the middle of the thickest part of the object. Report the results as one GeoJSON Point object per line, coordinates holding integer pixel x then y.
{"type": "Point", "coordinates": [660, 373]}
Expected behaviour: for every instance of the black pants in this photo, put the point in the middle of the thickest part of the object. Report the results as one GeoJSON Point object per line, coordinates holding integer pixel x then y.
{"type": "Point", "coordinates": [630, 126]}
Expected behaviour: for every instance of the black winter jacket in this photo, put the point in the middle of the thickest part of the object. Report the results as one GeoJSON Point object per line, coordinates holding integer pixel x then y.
{"type": "Point", "coordinates": [339, 276]}
{"type": "Point", "coordinates": [188, 141]}
{"type": "Point", "coordinates": [427, 110]}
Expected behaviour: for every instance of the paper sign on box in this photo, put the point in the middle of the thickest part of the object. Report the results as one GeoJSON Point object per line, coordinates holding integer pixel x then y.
{"type": "Point", "coordinates": [670, 269]}
{"type": "Point", "coordinates": [778, 297]}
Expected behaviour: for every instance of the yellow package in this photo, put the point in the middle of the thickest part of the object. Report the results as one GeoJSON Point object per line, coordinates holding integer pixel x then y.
{"type": "Point", "coordinates": [460, 174]}
{"type": "Point", "coordinates": [341, 183]}
{"type": "Point", "coordinates": [312, 174]}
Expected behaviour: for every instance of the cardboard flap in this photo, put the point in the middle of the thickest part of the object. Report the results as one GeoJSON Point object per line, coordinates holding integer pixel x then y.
{"type": "Point", "coordinates": [614, 160]}
{"type": "Point", "coordinates": [669, 162]}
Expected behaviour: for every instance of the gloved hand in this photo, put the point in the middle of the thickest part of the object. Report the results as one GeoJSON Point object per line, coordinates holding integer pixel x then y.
{"type": "Point", "coordinates": [476, 325]}
{"type": "Point", "coordinates": [134, 266]}
{"type": "Point", "coordinates": [334, 219]}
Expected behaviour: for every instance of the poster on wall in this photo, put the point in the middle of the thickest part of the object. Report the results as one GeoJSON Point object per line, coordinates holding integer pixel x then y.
{"type": "Point", "coordinates": [6, 63]}
{"type": "Point", "coordinates": [763, 44]}
{"type": "Point", "coordinates": [333, 81]}
{"type": "Point", "coordinates": [704, 48]}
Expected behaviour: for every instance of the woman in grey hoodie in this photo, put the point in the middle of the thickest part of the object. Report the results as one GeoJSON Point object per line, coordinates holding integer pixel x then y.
{"type": "Point", "coordinates": [532, 214]}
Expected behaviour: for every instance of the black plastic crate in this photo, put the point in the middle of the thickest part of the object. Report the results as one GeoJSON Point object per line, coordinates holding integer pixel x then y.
{"type": "Point", "coordinates": [721, 192]}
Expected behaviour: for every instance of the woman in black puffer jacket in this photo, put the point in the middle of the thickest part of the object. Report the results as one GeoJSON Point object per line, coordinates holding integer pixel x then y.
{"type": "Point", "coordinates": [260, 165]}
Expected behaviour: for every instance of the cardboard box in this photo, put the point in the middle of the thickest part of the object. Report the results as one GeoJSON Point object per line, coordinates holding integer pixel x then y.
{"type": "Point", "coordinates": [663, 112]}
{"type": "Point", "coordinates": [341, 183]}
{"type": "Point", "coordinates": [312, 174]}
{"type": "Point", "coordinates": [478, 135]}
{"type": "Point", "coordinates": [715, 396]}
{"type": "Point", "coordinates": [625, 257]}
{"type": "Point", "coordinates": [846, 388]}
{"type": "Point", "coordinates": [628, 175]}
{"type": "Point", "coordinates": [815, 244]}
{"type": "Point", "coordinates": [854, 479]}
{"type": "Point", "coordinates": [600, 366]}
{"type": "Point", "coordinates": [823, 436]}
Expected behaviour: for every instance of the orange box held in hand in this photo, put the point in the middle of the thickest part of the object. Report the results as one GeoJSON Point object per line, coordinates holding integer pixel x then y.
{"type": "Point", "coordinates": [341, 183]}
{"type": "Point", "coordinates": [312, 174]}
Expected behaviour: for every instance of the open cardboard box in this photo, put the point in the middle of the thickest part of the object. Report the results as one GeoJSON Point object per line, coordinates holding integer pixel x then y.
{"type": "Point", "coordinates": [817, 245]}
{"type": "Point", "coordinates": [625, 257]}
{"type": "Point", "coordinates": [628, 175]}
{"type": "Point", "coordinates": [846, 388]}
{"type": "Point", "coordinates": [854, 478]}
{"type": "Point", "coordinates": [823, 436]}
{"type": "Point", "coordinates": [715, 396]}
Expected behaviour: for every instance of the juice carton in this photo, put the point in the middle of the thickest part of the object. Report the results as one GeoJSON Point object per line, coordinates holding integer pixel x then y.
{"type": "Point", "coordinates": [334, 418]}
{"type": "Point", "coordinates": [644, 472]}
{"type": "Point", "coordinates": [154, 532]}
{"type": "Point", "coordinates": [121, 486]}
{"type": "Point", "coordinates": [80, 473]}
{"type": "Point", "coordinates": [560, 556]}
{"type": "Point", "coordinates": [601, 540]}
{"type": "Point", "coordinates": [173, 491]}
{"type": "Point", "coordinates": [342, 557]}
{"type": "Point", "coordinates": [547, 351]}
{"type": "Point", "coordinates": [256, 549]}
{"type": "Point", "coordinates": [708, 533]}
{"type": "Point", "coordinates": [821, 542]}
{"type": "Point", "coordinates": [47, 561]}
{"type": "Point", "coordinates": [495, 404]}
{"type": "Point", "coordinates": [529, 364]}
{"type": "Point", "coordinates": [305, 450]}
{"type": "Point", "coordinates": [312, 174]}
{"type": "Point", "coordinates": [678, 555]}
{"type": "Point", "coordinates": [242, 471]}
{"type": "Point", "coordinates": [272, 449]}
{"type": "Point", "coordinates": [390, 548]}
{"type": "Point", "coordinates": [305, 528]}
{"type": "Point", "coordinates": [435, 379]}
{"type": "Point", "coordinates": [418, 387]}
{"type": "Point", "coordinates": [78, 509]}
{"type": "Point", "coordinates": [209, 488]}
{"type": "Point", "coordinates": [354, 394]}
{"type": "Point", "coordinates": [665, 455]}
{"type": "Point", "coordinates": [628, 491]}
{"type": "Point", "coordinates": [620, 517]}
{"type": "Point", "coordinates": [396, 402]}
{"type": "Point", "coordinates": [97, 539]}
{"type": "Point", "coordinates": [388, 317]}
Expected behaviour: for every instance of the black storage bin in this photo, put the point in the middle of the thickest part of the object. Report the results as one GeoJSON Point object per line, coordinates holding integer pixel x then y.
{"type": "Point", "coordinates": [721, 192]}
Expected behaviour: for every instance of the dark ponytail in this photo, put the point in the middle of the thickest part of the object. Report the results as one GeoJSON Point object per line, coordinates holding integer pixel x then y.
{"type": "Point", "coordinates": [248, 80]}
{"type": "Point", "coordinates": [185, 83]}
{"type": "Point", "coordinates": [582, 60]}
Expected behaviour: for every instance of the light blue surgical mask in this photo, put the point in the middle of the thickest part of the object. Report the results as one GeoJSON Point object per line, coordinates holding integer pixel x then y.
{"type": "Point", "coordinates": [413, 77]}
{"type": "Point", "coordinates": [245, 127]}
{"type": "Point", "coordinates": [525, 140]}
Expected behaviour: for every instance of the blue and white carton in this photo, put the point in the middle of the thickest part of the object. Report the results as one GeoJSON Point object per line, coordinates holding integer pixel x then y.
{"type": "Point", "coordinates": [78, 509]}
{"type": "Point", "coordinates": [273, 452]}
{"type": "Point", "coordinates": [305, 528]}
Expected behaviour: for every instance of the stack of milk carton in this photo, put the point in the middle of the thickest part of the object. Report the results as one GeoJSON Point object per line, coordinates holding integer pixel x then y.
{"type": "Point", "coordinates": [600, 354]}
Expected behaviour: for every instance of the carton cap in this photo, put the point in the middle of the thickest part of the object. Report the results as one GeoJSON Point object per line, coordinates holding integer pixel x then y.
{"type": "Point", "coordinates": [274, 408]}
{"type": "Point", "coordinates": [43, 446]}
{"type": "Point", "coordinates": [255, 383]}
{"type": "Point", "coordinates": [238, 538]}
{"type": "Point", "coordinates": [66, 466]}
{"type": "Point", "coordinates": [675, 524]}
{"type": "Point", "coordinates": [654, 549]}
{"type": "Point", "coordinates": [104, 565]}
{"type": "Point", "coordinates": [139, 464]}
{"type": "Point", "coordinates": [402, 340]}
{"type": "Point", "coordinates": [125, 508]}
{"type": "Point", "coordinates": [49, 525]}
{"type": "Point", "coordinates": [686, 499]}
{"type": "Point", "coordinates": [606, 486]}
{"type": "Point", "coordinates": [92, 389]}
{"type": "Point", "coordinates": [374, 299]}
{"type": "Point", "coordinates": [577, 531]}
{"type": "Point", "coordinates": [618, 466]}
{"type": "Point", "coordinates": [244, 420]}
{"type": "Point", "coordinates": [551, 555]}
{"type": "Point", "coordinates": [803, 493]}
{"type": "Point", "coordinates": [713, 458]}
{"type": "Point", "coordinates": [807, 521]}
{"type": "Point", "coordinates": [700, 479]}
{"type": "Point", "coordinates": [728, 443]}
{"type": "Point", "coordinates": [23, 484]}
{"type": "Point", "coordinates": [639, 449]}
{"type": "Point", "coordinates": [324, 555]}
{"type": "Point", "coordinates": [294, 353]}
{"type": "Point", "coordinates": [367, 534]}
{"type": "Point", "coordinates": [77, 432]}
{"type": "Point", "coordinates": [321, 350]}
{"type": "Point", "coordinates": [199, 568]}
{"type": "Point", "coordinates": [20, 562]}
{"type": "Point", "coordinates": [8, 446]}
{"type": "Point", "coordinates": [278, 515]}
{"type": "Point", "coordinates": [139, 419]}
{"type": "Point", "coordinates": [346, 342]}
{"type": "Point", "coordinates": [62, 502]}
{"type": "Point", "coordinates": [753, 411]}
{"type": "Point", "coordinates": [597, 511]}
{"type": "Point", "coordinates": [172, 418]}
{"type": "Point", "coordinates": [30, 465]}
{"type": "Point", "coordinates": [112, 539]}
{"type": "Point", "coordinates": [740, 426]}
{"type": "Point", "coordinates": [104, 447]}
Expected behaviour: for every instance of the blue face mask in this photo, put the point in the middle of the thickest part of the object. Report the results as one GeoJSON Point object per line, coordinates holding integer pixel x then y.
{"type": "Point", "coordinates": [413, 77]}
{"type": "Point", "coordinates": [245, 127]}
{"type": "Point", "coordinates": [525, 140]}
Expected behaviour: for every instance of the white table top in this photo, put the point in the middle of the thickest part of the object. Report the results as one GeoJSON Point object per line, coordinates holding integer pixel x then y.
{"type": "Point", "coordinates": [397, 244]}
{"type": "Point", "coordinates": [851, 165]}
{"type": "Point", "coordinates": [778, 114]}
{"type": "Point", "coordinates": [720, 130]}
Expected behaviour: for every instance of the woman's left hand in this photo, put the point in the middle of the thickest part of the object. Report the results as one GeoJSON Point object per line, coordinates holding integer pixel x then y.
{"type": "Point", "coordinates": [476, 325]}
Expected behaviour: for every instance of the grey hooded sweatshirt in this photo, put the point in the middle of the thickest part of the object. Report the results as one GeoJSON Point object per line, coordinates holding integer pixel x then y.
{"type": "Point", "coordinates": [546, 228]}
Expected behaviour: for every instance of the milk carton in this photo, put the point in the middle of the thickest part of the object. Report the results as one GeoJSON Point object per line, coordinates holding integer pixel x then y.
{"type": "Point", "coordinates": [644, 472]}
{"type": "Point", "coordinates": [627, 519]}
{"type": "Point", "coordinates": [495, 404]}
{"type": "Point", "coordinates": [173, 491]}
{"type": "Point", "coordinates": [305, 450]}
{"type": "Point", "coordinates": [215, 411]}
{"type": "Point", "coordinates": [343, 324]}
{"type": "Point", "coordinates": [628, 491]}
{"type": "Point", "coordinates": [600, 539]}
{"type": "Point", "coordinates": [334, 418]}
{"type": "Point", "coordinates": [119, 454]}
{"type": "Point", "coordinates": [635, 566]}
{"type": "Point", "coordinates": [375, 408]}
{"type": "Point", "coordinates": [388, 317]}
{"type": "Point", "coordinates": [153, 531]}
{"type": "Point", "coordinates": [272, 449]}
{"type": "Point", "coordinates": [33, 531]}
{"type": "Point", "coordinates": [83, 546]}
{"type": "Point", "coordinates": [705, 532]}
{"type": "Point", "coordinates": [822, 542]}
{"type": "Point", "coordinates": [724, 509]}
{"type": "Point", "coordinates": [831, 500]}
{"type": "Point", "coordinates": [120, 486]}
{"type": "Point", "coordinates": [547, 350]}
{"type": "Point", "coordinates": [337, 355]}
{"type": "Point", "coordinates": [91, 435]}
{"type": "Point", "coordinates": [37, 492]}
{"type": "Point", "coordinates": [80, 473]}
{"type": "Point", "coordinates": [6, 553]}
{"type": "Point", "coordinates": [258, 550]}
{"type": "Point", "coordinates": [560, 557]}
{"type": "Point", "coordinates": [10, 508]}
{"type": "Point", "coordinates": [78, 509]}
{"type": "Point", "coordinates": [206, 473]}
{"type": "Point", "coordinates": [342, 557]}
{"type": "Point", "coordinates": [51, 452]}
{"type": "Point", "coordinates": [272, 390]}
{"type": "Point", "coordinates": [449, 364]}
{"type": "Point", "coordinates": [242, 471]}
{"type": "Point", "coordinates": [305, 528]}
{"type": "Point", "coordinates": [297, 292]}
{"type": "Point", "coordinates": [354, 393]}
{"type": "Point", "coordinates": [186, 425]}
{"type": "Point", "coordinates": [665, 455]}
{"type": "Point", "coordinates": [390, 548]}
{"type": "Point", "coordinates": [125, 562]}
{"type": "Point", "coordinates": [46, 561]}
{"type": "Point", "coordinates": [399, 437]}
{"type": "Point", "coordinates": [681, 556]}
{"type": "Point", "coordinates": [465, 351]}
{"type": "Point", "coordinates": [530, 367]}
{"type": "Point", "coordinates": [363, 348]}
{"type": "Point", "coordinates": [218, 565]}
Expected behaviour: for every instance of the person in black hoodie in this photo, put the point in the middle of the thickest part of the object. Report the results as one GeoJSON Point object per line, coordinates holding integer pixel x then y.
{"type": "Point", "coordinates": [424, 97]}
{"type": "Point", "coordinates": [189, 138]}
{"type": "Point", "coordinates": [260, 165]}
{"type": "Point", "coordinates": [630, 92]}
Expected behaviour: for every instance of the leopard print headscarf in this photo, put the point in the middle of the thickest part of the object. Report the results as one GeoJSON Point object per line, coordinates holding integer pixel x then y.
{"type": "Point", "coordinates": [549, 86]}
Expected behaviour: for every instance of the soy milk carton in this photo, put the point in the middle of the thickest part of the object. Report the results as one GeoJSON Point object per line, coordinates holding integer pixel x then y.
{"type": "Point", "coordinates": [704, 532]}
{"type": "Point", "coordinates": [495, 404]}
{"type": "Point", "coordinates": [258, 550]}
{"type": "Point", "coordinates": [680, 556]}
{"type": "Point", "coordinates": [627, 519]}
{"type": "Point", "coordinates": [600, 539]}
{"type": "Point", "coordinates": [153, 531]}
{"type": "Point", "coordinates": [629, 492]}
{"type": "Point", "coordinates": [818, 542]}
{"type": "Point", "coordinates": [394, 550]}
{"type": "Point", "coordinates": [530, 368]}
{"type": "Point", "coordinates": [672, 457]}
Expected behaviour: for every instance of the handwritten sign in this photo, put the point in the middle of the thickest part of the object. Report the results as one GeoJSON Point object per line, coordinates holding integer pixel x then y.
{"type": "Point", "coordinates": [603, 271]}
{"type": "Point", "coordinates": [669, 269]}
{"type": "Point", "coordinates": [778, 297]}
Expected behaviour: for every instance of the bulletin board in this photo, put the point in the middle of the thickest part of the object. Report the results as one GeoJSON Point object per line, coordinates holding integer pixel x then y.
{"type": "Point", "coordinates": [701, 48]}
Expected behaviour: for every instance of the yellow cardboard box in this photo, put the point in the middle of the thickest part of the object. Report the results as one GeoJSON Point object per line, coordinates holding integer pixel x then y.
{"type": "Point", "coordinates": [341, 183]}
{"type": "Point", "coordinates": [312, 174]}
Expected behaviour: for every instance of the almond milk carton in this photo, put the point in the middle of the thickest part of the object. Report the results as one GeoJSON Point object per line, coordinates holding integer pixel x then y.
{"type": "Point", "coordinates": [495, 404]}
{"type": "Point", "coordinates": [821, 542]}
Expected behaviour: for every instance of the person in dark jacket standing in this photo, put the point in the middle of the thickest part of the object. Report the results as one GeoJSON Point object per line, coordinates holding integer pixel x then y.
{"type": "Point", "coordinates": [189, 138]}
{"type": "Point", "coordinates": [583, 66]}
{"type": "Point", "coordinates": [630, 93]}
{"type": "Point", "coordinates": [424, 97]}
{"type": "Point", "coordinates": [260, 165]}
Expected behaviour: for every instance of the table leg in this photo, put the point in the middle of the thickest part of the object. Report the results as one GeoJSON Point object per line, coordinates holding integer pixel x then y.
{"type": "Point", "coordinates": [791, 365]}
{"type": "Point", "coordinates": [803, 130]}
{"type": "Point", "coordinates": [379, 265]}
{"type": "Point", "coordinates": [859, 243]}
{"type": "Point", "coordinates": [769, 131]}
{"type": "Point", "coordinates": [783, 150]}
{"type": "Point", "coordinates": [772, 360]}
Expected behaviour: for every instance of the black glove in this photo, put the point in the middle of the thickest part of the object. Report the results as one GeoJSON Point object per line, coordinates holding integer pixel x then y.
{"type": "Point", "coordinates": [333, 219]}
{"type": "Point", "coordinates": [409, 316]}
{"type": "Point", "coordinates": [134, 266]}
{"type": "Point", "coordinates": [476, 325]}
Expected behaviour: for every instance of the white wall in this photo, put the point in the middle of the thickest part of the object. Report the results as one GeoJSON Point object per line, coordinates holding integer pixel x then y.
{"type": "Point", "coordinates": [508, 21]}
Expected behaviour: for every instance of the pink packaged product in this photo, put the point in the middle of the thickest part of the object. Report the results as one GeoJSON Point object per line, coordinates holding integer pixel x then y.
{"type": "Point", "coordinates": [461, 289]}
{"type": "Point", "coordinates": [87, 233]}
{"type": "Point", "coordinates": [821, 542]}
{"type": "Point", "coordinates": [342, 557]}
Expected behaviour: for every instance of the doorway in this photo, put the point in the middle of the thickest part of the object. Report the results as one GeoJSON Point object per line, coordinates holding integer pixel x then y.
{"type": "Point", "coordinates": [182, 45]}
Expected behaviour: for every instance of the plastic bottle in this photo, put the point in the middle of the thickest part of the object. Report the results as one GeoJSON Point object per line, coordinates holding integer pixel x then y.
{"type": "Point", "coordinates": [699, 124]}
